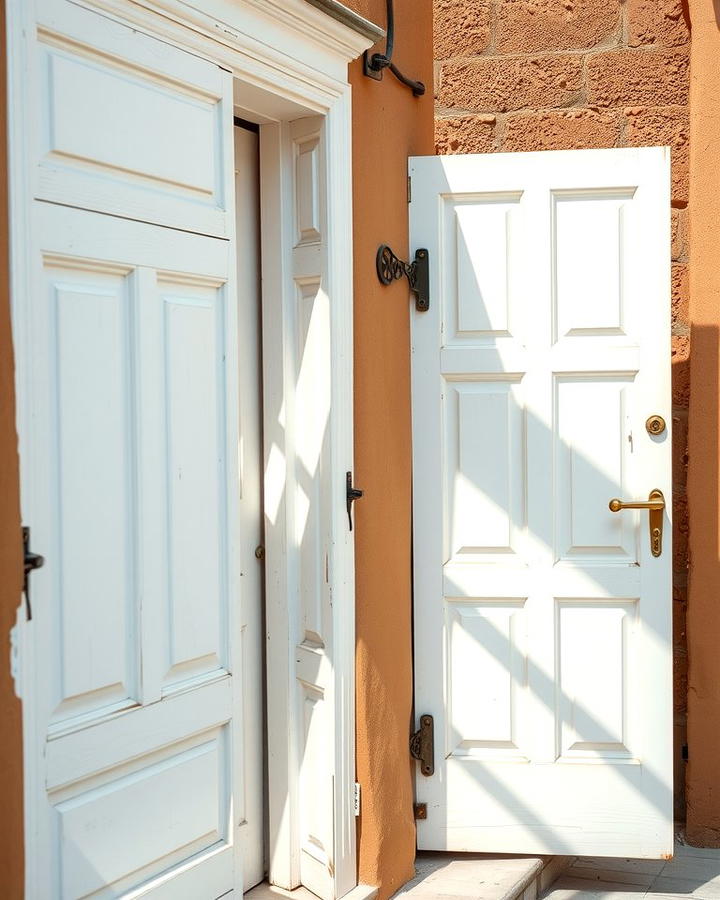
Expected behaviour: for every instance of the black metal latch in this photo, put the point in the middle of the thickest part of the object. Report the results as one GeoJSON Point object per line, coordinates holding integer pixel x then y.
{"type": "Point", "coordinates": [31, 561]}
{"type": "Point", "coordinates": [390, 268]}
{"type": "Point", "coordinates": [351, 495]}
{"type": "Point", "coordinates": [422, 745]}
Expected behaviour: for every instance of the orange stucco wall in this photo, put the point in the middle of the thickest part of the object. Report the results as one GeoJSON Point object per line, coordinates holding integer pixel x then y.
{"type": "Point", "coordinates": [389, 124]}
{"type": "Point", "coordinates": [703, 774]}
{"type": "Point", "coordinates": [11, 827]}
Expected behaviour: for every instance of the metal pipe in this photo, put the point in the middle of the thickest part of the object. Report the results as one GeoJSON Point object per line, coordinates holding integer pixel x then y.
{"type": "Point", "coordinates": [375, 63]}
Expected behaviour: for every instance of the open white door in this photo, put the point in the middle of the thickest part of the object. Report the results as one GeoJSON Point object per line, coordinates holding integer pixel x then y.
{"type": "Point", "coordinates": [126, 333]}
{"type": "Point", "coordinates": [543, 619]}
{"type": "Point", "coordinates": [308, 447]}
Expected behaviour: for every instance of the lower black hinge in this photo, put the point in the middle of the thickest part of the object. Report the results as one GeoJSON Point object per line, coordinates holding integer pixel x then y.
{"type": "Point", "coordinates": [391, 268]}
{"type": "Point", "coordinates": [422, 745]}
{"type": "Point", "coordinates": [685, 754]}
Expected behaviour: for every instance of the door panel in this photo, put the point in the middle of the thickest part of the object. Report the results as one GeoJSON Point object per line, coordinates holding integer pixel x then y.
{"type": "Point", "coordinates": [154, 148]}
{"type": "Point", "coordinates": [542, 619]}
{"type": "Point", "coordinates": [134, 603]}
{"type": "Point", "coordinates": [168, 808]}
{"type": "Point", "coordinates": [193, 322]}
{"type": "Point", "coordinates": [92, 334]}
{"type": "Point", "coordinates": [313, 630]}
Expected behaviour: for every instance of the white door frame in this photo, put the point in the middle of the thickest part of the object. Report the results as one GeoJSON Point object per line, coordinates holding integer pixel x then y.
{"type": "Point", "coordinates": [291, 59]}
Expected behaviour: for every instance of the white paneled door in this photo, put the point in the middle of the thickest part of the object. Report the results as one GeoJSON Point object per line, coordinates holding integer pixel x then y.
{"type": "Point", "coordinates": [543, 618]}
{"type": "Point", "coordinates": [140, 452]}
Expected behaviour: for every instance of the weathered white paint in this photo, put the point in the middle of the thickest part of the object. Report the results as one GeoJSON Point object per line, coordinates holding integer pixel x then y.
{"type": "Point", "coordinates": [542, 622]}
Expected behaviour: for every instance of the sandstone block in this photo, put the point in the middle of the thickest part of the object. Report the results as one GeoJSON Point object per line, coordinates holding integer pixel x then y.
{"type": "Point", "coordinates": [460, 27]}
{"type": "Point", "coordinates": [680, 357]}
{"type": "Point", "coordinates": [490, 84]}
{"type": "Point", "coordinates": [680, 533]}
{"type": "Point", "coordinates": [660, 23]}
{"type": "Point", "coordinates": [642, 77]}
{"type": "Point", "coordinates": [561, 130]}
{"type": "Point", "coordinates": [680, 298]}
{"type": "Point", "coordinates": [679, 234]}
{"type": "Point", "coordinates": [465, 134]}
{"type": "Point", "coordinates": [680, 449]}
{"type": "Point", "coordinates": [679, 608]}
{"type": "Point", "coordinates": [664, 126]}
{"type": "Point", "coordinates": [680, 681]}
{"type": "Point", "coordinates": [533, 26]}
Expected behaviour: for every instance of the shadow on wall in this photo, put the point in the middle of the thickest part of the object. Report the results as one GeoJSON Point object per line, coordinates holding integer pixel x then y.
{"type": "Point", "coordinates": [704, 483]}
{"type": "Point", "coordinates": [685, 7]}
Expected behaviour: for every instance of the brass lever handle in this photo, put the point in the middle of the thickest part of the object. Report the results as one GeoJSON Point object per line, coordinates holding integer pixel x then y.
{"type": "Point", "coordinates": [655, 503]}
{"type": "Point", "coordinates": [617, 505]}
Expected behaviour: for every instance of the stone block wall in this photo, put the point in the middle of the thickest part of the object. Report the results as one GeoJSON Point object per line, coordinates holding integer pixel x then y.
{"type": "Point", "coordinates": [519, 75]}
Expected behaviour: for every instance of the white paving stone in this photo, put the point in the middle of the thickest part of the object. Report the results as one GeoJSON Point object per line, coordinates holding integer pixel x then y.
{"type": "Point", "coordinates": [694, 872]}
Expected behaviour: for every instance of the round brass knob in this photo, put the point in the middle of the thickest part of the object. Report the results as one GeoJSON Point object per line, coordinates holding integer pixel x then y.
{"type": "Point", "coordinates": [655, 425]}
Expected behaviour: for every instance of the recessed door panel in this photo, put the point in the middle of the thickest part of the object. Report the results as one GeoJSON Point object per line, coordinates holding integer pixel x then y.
{"type": "Point", "coordinates": [596, 643]}
{"type": "Point", "coordinates": [486, 649]}
{"type": "Point", "coordinates": [149, 818]}
{"type": "Point", "coordinates": [89, 405]}
{"type": "Point", "coordinates": [591, 234]}
{"type": "Point", "coordinates": [486, 484]}
{"type": "Point", "coordinates": [594, 462]}
{"type": "Point", "coordinates": [197, 612]}
{"type": "Point", "coordinates": [154, 147]}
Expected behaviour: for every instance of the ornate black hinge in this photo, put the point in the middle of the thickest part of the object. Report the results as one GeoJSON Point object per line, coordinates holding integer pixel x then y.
{"type": "Point", "coordinates": [390, 268]}
{"type": "Point", "coordinates": [31, 561]}
{"type": "Point", "coordinates": [422, 745]}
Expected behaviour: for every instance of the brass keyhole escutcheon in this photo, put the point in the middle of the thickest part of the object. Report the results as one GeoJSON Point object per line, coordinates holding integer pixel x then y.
{"type": "Point", "coordinates": [655, 505]}
{"type": "Point", "coordinates": [655, 425]}
{"type": "Point", "coordinates": [656, 541]}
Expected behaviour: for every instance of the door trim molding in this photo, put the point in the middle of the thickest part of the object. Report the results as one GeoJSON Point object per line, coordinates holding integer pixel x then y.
{"type": "Point", "coordinates": [294, 52]}
{"type": "Point", "coordinates": [287, 46]}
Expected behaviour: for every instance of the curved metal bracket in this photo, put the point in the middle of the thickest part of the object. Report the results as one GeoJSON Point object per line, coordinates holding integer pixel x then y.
{"type": "Point", "coordinates": [375, 63]}
{"type": "Point", "coordinates": [391, 268]}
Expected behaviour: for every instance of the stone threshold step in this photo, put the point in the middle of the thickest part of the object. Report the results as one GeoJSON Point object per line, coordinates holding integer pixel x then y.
{"type": "Point", "coordinates": [481, 876]}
